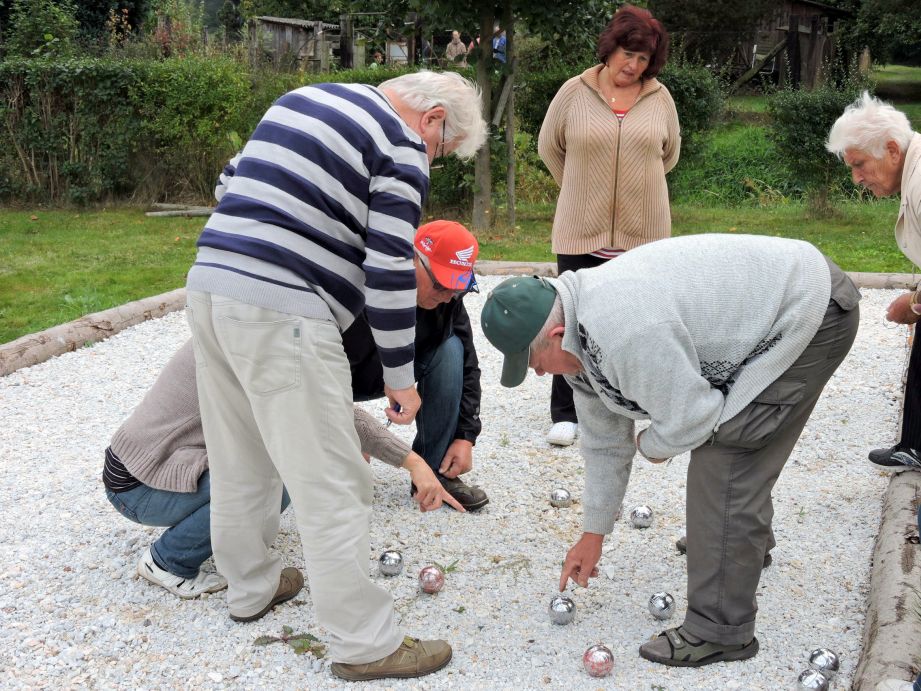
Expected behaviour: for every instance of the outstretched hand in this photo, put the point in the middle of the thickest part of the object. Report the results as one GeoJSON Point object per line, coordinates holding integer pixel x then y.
{"type": "Point", "coordinates": [582, 560]}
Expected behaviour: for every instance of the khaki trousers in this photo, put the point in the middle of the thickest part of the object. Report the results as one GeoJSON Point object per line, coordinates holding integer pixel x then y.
{"type": "Point", "coordinates": [275, 396]}
{"type": "Point", "coordinates": [729, 508]}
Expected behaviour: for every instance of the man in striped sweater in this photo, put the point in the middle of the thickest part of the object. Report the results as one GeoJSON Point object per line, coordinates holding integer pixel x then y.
{"type": "Point", "coordinates": [315, 226]}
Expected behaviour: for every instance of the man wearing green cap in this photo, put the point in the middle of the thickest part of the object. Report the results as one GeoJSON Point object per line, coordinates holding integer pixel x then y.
{"type": "Point", "coordinates": [724, 343]}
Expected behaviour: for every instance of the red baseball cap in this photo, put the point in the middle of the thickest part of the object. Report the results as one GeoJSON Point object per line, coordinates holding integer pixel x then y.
{"type": "Point", "coordinates": [451, 251]}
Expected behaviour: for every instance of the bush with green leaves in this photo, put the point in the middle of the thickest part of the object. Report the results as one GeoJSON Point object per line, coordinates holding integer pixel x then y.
{"type": "Point", "coordinates": [41, 28]}
{"type": "Point", "coordinates": [799, 126]}
{"type": "Point", "coordinates": [698, 100]}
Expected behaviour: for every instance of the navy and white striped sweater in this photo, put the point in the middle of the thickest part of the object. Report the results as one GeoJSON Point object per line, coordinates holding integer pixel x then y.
{"type": "Point", "coordinates": [324, 201]}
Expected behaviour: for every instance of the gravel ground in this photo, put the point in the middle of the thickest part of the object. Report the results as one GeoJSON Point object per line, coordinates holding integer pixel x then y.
{"type": "Point", "coordinates": [73, 614]}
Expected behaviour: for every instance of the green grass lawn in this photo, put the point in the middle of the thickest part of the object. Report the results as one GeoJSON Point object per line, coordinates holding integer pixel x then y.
{"type": "Point", "coordinates": [56, 266]}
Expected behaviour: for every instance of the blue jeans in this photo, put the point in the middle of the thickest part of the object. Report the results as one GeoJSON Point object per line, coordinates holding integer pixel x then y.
{"type": "Point", "coordinates": [440, 377]}
{"type": "Point", "coordinates": [187, 544]}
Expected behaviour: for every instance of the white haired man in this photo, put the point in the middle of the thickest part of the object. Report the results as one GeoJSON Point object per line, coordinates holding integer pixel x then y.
{"type": "Point", "coordinates": [876, 141]}
{"type": "Point", "coordinates": [316, 224]}
{"type": "Point", "coordinates": [724, 343]}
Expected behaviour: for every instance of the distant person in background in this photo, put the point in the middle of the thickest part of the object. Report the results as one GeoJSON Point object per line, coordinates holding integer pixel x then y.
{"type": "Point", "coordinates": [499, 43]}
{"type": "Point", "coordinates": [877, 143]}
{"type": "Point", "coordinates": [456, 52]}
{"type": "Point", "coordinates": [377, 61]}
{"type": "Point", "coordinates": [609, 137]}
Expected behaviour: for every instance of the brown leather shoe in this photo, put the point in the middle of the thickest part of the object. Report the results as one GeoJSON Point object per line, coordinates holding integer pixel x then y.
{"type": "Point", "coordinates": [414, 658]}
{"type": "Point", "coordinates": [470, 497]}
{"type": "Point", "coordinates": [290, 583]}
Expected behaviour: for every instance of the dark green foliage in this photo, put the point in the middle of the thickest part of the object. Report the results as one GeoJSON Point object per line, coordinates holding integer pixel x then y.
{"type": "Point", "coordinates": [698, 100]}
{"type": "Point", "coordinates": [533, 94]}
{"type": "Point", "coordinates": [41, 27]}
{"type": "Point", "coordinates": [70, 128]}
{"type": "Point", "coordinates": [891, 29]}
{"type": "Point", "coordinates": [92, 15]}
{"type": "Point", "coordinates": [800, 121]}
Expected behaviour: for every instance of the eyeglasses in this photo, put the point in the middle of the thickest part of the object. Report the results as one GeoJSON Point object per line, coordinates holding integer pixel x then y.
{"type": "Point", "coordinates": [472, 287]}
{"type": "Point", "coordinates": [440, 149]}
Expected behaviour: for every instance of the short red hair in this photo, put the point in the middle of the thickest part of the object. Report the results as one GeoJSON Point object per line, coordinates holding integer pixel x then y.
{"type": "Point", "coordinates": [632, 28]}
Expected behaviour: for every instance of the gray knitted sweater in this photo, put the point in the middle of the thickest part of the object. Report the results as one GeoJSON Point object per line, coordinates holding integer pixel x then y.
{"type": "Point", "coordinates": [163, 445]}
{"type": "Point", "coordinates": [684, 332]}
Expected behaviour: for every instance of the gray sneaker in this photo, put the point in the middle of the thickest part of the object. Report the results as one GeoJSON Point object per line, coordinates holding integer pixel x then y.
{"type": "Point", "coordinates": [414, 658]}
{"type": "Point", "coordinates": [904, 458]}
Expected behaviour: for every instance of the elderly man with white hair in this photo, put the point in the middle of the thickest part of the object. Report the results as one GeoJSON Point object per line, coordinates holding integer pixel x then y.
{"type": "Point", "coordinates": [316, 225]}
{"type": "Point", "coordinates": [876, 141]}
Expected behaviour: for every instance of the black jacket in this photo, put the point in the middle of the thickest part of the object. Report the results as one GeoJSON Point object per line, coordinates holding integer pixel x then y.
{"type": "Point", "coordinates": [433, 327]}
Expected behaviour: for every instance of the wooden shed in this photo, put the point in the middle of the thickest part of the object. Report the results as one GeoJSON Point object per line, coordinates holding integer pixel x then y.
{"type": "Point", "coordinates": [795, 44]}
{"type": "Point", "coordinates": [299, 43]}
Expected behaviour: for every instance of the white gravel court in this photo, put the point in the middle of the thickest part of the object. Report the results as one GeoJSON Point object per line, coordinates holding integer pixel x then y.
{"type": "Point", "coordinates": [73, 614]}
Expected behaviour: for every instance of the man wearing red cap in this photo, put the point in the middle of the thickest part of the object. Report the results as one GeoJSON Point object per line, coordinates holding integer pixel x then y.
{"type": "Point", "coordinates": [446, 367]}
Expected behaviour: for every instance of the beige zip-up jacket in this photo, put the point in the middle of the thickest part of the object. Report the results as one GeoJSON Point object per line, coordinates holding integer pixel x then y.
{"type": "Point", "coordinates": [908, 225]}
{"type": "Point", "coordinates": [611, 173]}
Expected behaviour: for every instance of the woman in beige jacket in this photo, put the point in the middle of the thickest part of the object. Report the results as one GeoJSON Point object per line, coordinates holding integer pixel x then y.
{"type": "Point", "coordinates": [609, 137]}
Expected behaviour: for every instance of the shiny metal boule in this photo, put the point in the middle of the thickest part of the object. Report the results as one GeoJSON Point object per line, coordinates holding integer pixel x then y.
{"type": "Point", "coordinates": [641, 516]}
{"type": "Point", "coordinates": [811, 680]}
{"type": "Point", "coordinates": [560, 498]}
{"type": "Point", "coordinates": [390, 562]}
{"type": "Point", "coordinates": [661, 605]}
{"type": "Point", "coordinates": [825, 661]}
{"type": "Point", "coordinates": [431, 579]}
{"type": "Point", "coordinates": [562, 610]}
{"type": "Point", "coordinates": [598, 661]}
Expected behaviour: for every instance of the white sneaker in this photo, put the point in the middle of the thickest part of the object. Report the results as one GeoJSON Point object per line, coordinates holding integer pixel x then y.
{"type": "Point", "coordinates": [562, 433]}
{"type": "Point", "coordinates": [186, 588]}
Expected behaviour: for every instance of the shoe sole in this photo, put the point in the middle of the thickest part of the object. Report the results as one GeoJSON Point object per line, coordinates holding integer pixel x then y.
{"type": "Point", "coordinates": [266, 609]}
{"type": "Point", "coordinates": [732, 656]}
{"type": "Point", "coordinates": [396, 675]}
{"type": "Point", "coordinates": [472, 507]}
{"type": "Point", "coordinates": [891, 467]}
{"type": "Point", "coordinates": [560, 442]}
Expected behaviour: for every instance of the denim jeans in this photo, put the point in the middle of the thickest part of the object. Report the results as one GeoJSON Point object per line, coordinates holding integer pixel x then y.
{"type": "Point", "coordinates": [187, 544]}
{"type": "Point", "coordinates": [440, 377]}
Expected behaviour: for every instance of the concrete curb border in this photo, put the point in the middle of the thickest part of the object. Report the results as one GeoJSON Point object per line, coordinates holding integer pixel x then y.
{"type": "Point", "coordinates": [892, 627]}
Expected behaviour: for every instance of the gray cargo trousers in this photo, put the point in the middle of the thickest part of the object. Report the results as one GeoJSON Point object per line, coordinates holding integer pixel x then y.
{"type": "Point", "coordinates": [729, 508]}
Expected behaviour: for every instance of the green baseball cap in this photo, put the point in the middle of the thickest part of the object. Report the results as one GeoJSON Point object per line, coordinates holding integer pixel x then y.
{"type": "Point", "coordinates": [514, 313]}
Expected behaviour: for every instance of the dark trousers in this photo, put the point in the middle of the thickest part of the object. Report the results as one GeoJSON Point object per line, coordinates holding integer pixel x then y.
{"type": "Point", "coordinates": [562, 408]}
{"type": "Point", "coordinates": [911, 413]}
{"type": "Point", "coordinates": [729, 508]}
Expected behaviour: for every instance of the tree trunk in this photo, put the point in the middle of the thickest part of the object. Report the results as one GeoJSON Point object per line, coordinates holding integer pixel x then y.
{"type": "Point", "coordinates": [482, 187]}
{"type": "Point", "coordinates": [508, 21]}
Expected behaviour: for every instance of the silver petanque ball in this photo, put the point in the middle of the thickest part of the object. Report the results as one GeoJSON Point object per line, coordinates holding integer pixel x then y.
{"type": "Point", "coordinates": [562, 610]}
{"type": "Point", "coordinates": [811, 680]}
{"type": "Point", "coordinates": [560, 498]}
{"type": "Point", "coordinates": [825, 661]}
{"type": "Point", "coordinates": [641, 516]}
{"type": "Point", "coordinates": [431, 579]}
{"type": "Point", "coordinates": [661, 605]}
{"type": "Point", "coordinates": [598, 661]}
{"type": "Point", "coordinates": [390, 562]}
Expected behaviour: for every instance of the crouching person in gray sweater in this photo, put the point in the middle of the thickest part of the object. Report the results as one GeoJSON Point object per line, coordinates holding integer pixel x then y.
{"type": "Point", "coordinates": [724, 343]}
{"type": "Point", "coordinates": [156, 473]}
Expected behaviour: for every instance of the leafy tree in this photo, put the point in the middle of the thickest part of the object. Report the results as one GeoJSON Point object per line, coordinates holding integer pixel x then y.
{"type": "Point", "coordinates": [230, 19]}
{"type": "Point", "coordinates": [708, 31]}
{"type": "Point", "coordinates": [92, 15]}
{"type": "Point", "coordinates": [41, 27]}
{"type": "Point", "coordinates": [891, 29]}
